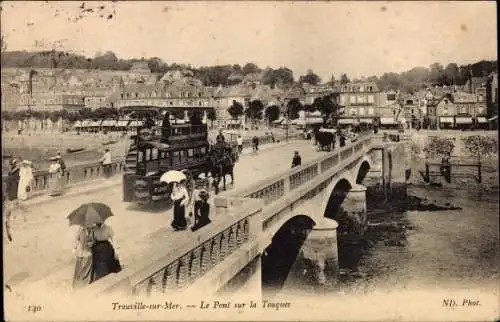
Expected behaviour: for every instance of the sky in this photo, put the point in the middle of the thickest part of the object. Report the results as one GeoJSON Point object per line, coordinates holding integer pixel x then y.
{"type": "Point", "coordinates": [357, 38]}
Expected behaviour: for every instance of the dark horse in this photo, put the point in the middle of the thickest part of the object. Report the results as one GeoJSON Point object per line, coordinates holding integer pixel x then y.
{"type": "Point", "coordinates": [220, 163]}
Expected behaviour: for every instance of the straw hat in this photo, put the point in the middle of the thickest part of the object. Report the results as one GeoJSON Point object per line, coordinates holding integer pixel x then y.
{"type": "Point", "coordinates": [26, 162]}
{"type": "Point", "coordinates": [54, 158]}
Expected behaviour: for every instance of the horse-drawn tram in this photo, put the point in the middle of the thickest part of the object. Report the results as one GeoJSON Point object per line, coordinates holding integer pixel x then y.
{"type": "Point", "coordinates": [164, 143]}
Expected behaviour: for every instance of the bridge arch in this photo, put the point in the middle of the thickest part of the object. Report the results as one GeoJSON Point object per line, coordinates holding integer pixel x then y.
{"type": "Point", "coordinates": [280, 255]}
{"type": "Point", "coordinates": [362, 170]}
{"type": "Point", "coordinates": [336, 193]}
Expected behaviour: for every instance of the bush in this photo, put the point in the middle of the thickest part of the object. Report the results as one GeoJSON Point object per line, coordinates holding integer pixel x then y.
{"type": "Point", "coordinates": [480, 145]}
{"type": "Point", "coordinates": [438, 147]}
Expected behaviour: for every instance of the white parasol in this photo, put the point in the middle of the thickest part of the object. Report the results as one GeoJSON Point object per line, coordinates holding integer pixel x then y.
{"type": "Point", "coordinates": [172, 176]}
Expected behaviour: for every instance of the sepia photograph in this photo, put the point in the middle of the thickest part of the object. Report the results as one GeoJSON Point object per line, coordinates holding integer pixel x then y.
{"type": "Point", "coordinates": [250, 160]}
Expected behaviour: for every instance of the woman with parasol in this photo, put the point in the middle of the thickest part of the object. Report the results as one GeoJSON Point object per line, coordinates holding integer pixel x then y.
{"type": "Point", "coordinates": [179, 196]}
{"type": "Point", "coordinates": [96, 256]}
{"type": "Point", "coordinates": [82, 249]}
{"type": "Point", "coordinates": [55, 179]}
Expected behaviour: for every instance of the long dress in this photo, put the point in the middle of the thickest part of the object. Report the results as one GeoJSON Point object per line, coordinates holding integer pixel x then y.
{"type": "Point", "coordinates": [25, 179]}
{"type": "Point", "coordinates": [55, 180]}
{"type": "Point", "coordinates": [103, 253]}
{"type": "Point", "coordinates": [84, 271]}
{"type": "Point", "coordinates": [13, 183]}
{"type": "Point", "coordinates": [180, 198]}
{"type": "Point", "coordinates": [202, 210]}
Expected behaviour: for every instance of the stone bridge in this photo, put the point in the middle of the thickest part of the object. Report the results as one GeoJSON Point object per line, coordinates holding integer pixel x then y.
{"type": "Point", "coordinates": [326, 197]}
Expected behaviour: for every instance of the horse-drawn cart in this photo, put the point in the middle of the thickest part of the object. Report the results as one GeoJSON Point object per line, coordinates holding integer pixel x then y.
{"type": "Point", "coordinates": [324, 139]}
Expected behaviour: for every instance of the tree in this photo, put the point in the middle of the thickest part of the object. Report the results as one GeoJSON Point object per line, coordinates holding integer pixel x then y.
{"type": "Point", "coordinates": [480, 145]}
{"type": "Point", "coordinates": [389, 80]}
{"type": "Point", "coordinates": [108, 61]}
{"type": "Point", "coordinates": [254, 110]}
{"type": "Point", "coordinates": [438, 147]}
{"type": "Point", "coordinates": [310, 78]}
{"type": "Point", "coordinates": [293, 108]}
{"type": "Point", "coordinates": [235, 110]}
{"type": "Point", "coordinates": [283, 76]}
{"type": "Point", "coordinates": [250, 68]}
{"type": "Point", "coordinates": [436, 74]}
{"type": "Point", "coordinates": [155, 64]}
{"type": "Point", "coordinates": [344, 79]}
{"type": "Point", "coordinates": [451, 74]}
{"type": "Point", "coordinates": [237, 68]}
{"type": "Point", "coordinates": [272, 113]}
{"type": "Point", "coordinates": [326, 105]}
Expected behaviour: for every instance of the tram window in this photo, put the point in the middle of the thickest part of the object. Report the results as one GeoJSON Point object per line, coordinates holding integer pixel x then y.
{"type": "Point", "coordinates": [176, 156]}
{"type": "Point", "coordinates": [140, 156]}
{"type": "Point", "coordinates": [190, 153]}
{"type": "Point", "coordinates": [154, 154]}
{"type": "Point", "coordinates": [203, 150]}
{"type": "Point", "coordinates": [183, 155]}
{"type": "Point", "coordinates": [147, 152]}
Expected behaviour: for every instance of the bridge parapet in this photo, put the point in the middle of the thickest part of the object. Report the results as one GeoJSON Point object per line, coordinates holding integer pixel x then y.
{"type": "Point", "coordinates": [157, 271]}
{"type": "Point", "coordinates": [74, 175]}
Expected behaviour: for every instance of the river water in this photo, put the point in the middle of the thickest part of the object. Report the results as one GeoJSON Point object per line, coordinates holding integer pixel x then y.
{"type": "Point", "coordinates": [445, 237]}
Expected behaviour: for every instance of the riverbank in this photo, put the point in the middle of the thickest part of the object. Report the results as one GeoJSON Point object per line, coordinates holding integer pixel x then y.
{"type": "Point", "coordinates": [465, 176]}
{"type": "Point", "coordinates": [439, 239]}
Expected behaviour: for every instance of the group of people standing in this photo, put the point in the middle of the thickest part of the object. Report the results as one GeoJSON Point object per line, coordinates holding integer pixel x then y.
{"type": "Point", "coordinates": [198, 206]}
{"type": "Point", "coordinates": [96, 254]}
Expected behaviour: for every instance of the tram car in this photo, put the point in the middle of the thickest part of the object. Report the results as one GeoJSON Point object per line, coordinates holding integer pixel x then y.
{"type": "Point", "coordinates": [163, 143]}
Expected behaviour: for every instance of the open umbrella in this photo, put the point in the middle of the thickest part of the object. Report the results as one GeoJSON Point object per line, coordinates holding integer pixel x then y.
{"type": "Point", "coordinates": [172, 176]}
{"type": "Point", "coordinates": [89, 214]}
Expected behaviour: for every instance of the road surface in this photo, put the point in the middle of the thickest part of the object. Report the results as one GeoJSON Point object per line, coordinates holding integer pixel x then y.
{"type": "Point", "coordinates": [43, 241]}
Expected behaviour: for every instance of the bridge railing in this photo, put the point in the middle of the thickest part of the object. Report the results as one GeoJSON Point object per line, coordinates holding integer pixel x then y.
{"type": "Point", "coordinates": [73, 175]}
{"type": "Point", "coordinates": [156, 272]}
{"type": "Point", "coordinates": [276, 186]}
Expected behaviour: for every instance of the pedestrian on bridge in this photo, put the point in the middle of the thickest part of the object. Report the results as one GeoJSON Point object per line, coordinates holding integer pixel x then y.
{"type": "Point", "coordinates": [297, 160]}
{"type": "Point", "coordinates": [255, 144]}
{"type": "Point", "coordinates": [201, 210]}
{"type": "Point", "coordinates": [55, 179]}
{"type": "Point", "coordinates": [25, 180]}
{"type": "Point", "coordinates": [180, 197]}
{"type": "Point", "coordinates": [106, 163]}
{"type": "Point", "coordinates": [61, 162]}
{"type": "Point", "coordinates": [82, 249]}
{"type": "Point", "coordinates": [239, 140]}
{"type": "Point", "coordinates": [104, 251]}
{"type": "Point", "coordinates": [342, 139]}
